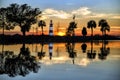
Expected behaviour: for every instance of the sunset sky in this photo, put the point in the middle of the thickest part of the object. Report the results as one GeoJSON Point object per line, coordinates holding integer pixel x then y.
{"type": "Point", "coordinates": [62, 11]}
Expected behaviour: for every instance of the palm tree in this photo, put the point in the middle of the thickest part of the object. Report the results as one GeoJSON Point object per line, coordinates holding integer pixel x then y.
{"type": "Point", "coordinates": [41, 24]}
{"type": "Point", "coordinates": [70, 30]}
{"type": "Point", "coordinates": [91, 24]}
{"type": "Point", "coordinates": [104, 26]}
{"type": "Point", "coordinates": [23, 15]}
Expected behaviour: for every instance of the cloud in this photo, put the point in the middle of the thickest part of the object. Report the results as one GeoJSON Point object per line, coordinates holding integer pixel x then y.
{"type": "Point", "coordinates": [82, 12]}
{"type": "Point", "coordinates": [56, 13]}
{"type": "Point", "coordinates": [116, 17]}
{"type": "Point", "coordinates": [105, 15]}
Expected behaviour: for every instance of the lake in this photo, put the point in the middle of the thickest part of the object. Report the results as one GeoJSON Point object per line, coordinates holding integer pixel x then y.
{"type": "Point", "coordinates": [96, 60]}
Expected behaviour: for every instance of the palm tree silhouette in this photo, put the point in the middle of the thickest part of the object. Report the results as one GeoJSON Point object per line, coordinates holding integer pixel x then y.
{"type": "Point", "coordinates": [104, 26]}
{"type": "Point", "coordinates": [91, 24]}
{"type": "Point", "coordinates": [42, 24]}
{"type": "Point", "coordinates": [70, 30]}
{"type": "Point", "coordinates": [23, 16]}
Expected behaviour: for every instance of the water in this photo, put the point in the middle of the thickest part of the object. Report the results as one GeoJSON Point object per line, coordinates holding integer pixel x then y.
{"type": "Point", "coordinates": [99, 60]}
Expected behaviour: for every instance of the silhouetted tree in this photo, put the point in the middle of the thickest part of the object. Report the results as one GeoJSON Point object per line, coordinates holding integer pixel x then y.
{"type": "Point", "coordinates": [91, 54]}
{"type": "Point", "coordinates": [70, 30]}
{"type": "Point", "coordinates": [4, 24]}
{"type": "Point", "coordinates": [24, 52]}
{"type": "Point", "coordinates": [84, 47]}
{"type": "Point", "coordinates": [104, 26]}
{"type": "Point", "coordinates": [91, 24]}
{"type": "Point", "coordinates": [41, 53]}
{"type": "Point", "coordinates": [104, 51]}
{"type": "Point", "coordinates": [23, 15]}
{"type": "Point", "coordinates": [41, 24]}
{"type": "Point", "coordinates": [70, 47]}
{"type": "Point", "coordinates": [84, 31]}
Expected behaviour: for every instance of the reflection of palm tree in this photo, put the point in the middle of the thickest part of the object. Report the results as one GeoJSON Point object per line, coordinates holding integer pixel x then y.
{"type": "Point", "coordinates": [91, 54]}
{"type": "Point", "coordinates": [70, 49]}
{"type": "Point", "coordinates": [104, 51]}
{"type": "Point", "coordinates": [91, 24]}
{"type": "Point", "coordinates": [41, 24]}
{"type": "Point", "coordinates": [41, 53]}
{"type": "Point", "coordinates": [83, 47]}
{"type": "Point", "coordinates": [104, 26]}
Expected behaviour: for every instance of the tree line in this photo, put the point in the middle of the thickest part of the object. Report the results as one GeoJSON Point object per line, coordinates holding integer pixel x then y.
{"type": "Point", "coordinates": [90, 25]}
{"type": "Point", "coordinates": [24, 16]}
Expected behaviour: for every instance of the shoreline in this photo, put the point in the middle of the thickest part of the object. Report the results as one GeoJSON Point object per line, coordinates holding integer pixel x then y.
{"type": "Point", "coordinates": [18, 39]}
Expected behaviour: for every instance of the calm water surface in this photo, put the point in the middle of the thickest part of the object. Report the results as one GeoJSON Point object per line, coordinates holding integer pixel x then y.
{"type": "Point", "coordinates": [61, 61]}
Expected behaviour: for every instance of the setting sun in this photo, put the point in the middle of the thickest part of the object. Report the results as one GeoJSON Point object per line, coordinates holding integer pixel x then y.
{"type": "Point", "coordinates": [61, 34]}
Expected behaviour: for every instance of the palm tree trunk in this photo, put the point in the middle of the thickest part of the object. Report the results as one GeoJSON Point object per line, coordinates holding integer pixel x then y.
{"type": "Point", "coordinates": [42, 29]}
{"type": "Point", "coordinates": [24, 34]}
{"type": "Point", "coordinates": [92, 32]}
{"type": "Point", "coordinates": [105, 32]}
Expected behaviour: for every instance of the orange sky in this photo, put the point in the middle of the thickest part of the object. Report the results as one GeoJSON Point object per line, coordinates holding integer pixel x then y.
{"type": "Point", "coordinates": [63, 24]}
{"type": "Point", "coordinates": [63, 11]}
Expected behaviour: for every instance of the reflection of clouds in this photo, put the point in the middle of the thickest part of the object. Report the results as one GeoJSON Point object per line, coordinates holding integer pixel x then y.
{"type": "Point", "coordinates": [84, 62]}
{"type": "Point", "coordinates": [55, 60]}
{"type": "Point", "coordinates": [62, 60]}
{"type": "Point", "coordinates": [114, 57]}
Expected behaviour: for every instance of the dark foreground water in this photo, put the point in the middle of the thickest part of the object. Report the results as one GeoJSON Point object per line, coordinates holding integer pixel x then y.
{"type": "Point", "coordinates": [99, 60]}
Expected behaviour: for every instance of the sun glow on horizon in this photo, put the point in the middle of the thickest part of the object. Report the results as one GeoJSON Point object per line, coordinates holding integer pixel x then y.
{"type": "Point", "coordinates": [61, 34]}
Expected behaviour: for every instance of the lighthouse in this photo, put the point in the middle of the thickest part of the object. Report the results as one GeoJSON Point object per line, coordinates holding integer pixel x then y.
{"type": "Point", "coordinates": [50, 44]}
{"type": "Point", "coordinates": [51, 28]}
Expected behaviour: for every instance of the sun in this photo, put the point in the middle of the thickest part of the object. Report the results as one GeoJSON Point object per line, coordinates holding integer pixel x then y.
{"type": "Point", "coordinates": [61, 34]}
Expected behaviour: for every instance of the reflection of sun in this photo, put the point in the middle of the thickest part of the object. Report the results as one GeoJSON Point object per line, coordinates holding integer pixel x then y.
{"type": "Point", "coordinates": [61, 34]}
